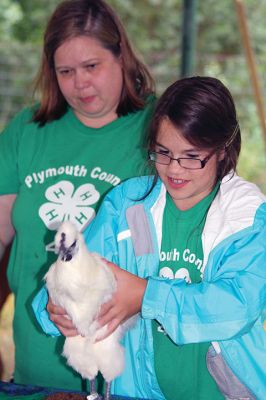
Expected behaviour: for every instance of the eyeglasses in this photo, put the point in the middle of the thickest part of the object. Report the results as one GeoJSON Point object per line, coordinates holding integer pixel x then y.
{"type": "Point", "coordinates": [188, 163]}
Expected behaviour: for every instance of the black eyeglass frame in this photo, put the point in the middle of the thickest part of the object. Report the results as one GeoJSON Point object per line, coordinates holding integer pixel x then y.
{"type": "Point", "coordinates": [203, 162]}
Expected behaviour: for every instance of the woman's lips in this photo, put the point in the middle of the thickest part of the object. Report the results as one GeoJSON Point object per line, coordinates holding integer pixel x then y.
{"type": "Point", "coordinates": [87, 100]}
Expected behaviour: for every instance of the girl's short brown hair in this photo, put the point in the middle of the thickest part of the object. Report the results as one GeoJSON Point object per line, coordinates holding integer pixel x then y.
{"type": "Point", "coordinates": [203, 110]}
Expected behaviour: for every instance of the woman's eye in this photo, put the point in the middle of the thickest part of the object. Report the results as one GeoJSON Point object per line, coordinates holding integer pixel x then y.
{"type": "Point", "coordinates": [65, 72]}
{"type": "Point", "coordinates": [90, 66]}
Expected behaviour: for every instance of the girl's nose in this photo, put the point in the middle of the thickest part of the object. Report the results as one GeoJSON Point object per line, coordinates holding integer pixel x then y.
{"type": "Point", "coordinates": [174, 166]}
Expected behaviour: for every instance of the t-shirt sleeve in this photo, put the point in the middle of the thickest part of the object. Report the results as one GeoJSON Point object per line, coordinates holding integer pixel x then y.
{"type": "Point", "coordinates": [9, 153]}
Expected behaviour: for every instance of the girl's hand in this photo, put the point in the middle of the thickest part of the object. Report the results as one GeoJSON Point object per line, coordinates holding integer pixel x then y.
{"type": "Point", "coordinates": [126, 301]}
{"type": "Point", "coordinates": [59, 317]}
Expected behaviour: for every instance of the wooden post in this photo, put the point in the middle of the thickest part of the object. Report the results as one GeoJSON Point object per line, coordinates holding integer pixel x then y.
{"type": "Point", "coordinates": [251, 65]}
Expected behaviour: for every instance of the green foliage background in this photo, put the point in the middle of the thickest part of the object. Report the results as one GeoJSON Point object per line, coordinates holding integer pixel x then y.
{"type": "Point", "coordinates": [155, 28]}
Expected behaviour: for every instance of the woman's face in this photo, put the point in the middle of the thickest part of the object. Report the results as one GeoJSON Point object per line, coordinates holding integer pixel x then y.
{"type": "Point", "coordinates": [90, 78]}
{"type": "Point", "coordinates": [186, 186]}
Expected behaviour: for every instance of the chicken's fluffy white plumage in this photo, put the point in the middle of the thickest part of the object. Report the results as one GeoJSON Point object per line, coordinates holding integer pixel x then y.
{"type": "Point", "coordinates": [80, 282]}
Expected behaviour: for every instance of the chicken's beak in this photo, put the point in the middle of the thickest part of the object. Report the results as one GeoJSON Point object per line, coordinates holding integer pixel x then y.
{"type": "Point", "coordinates": [66, 253]}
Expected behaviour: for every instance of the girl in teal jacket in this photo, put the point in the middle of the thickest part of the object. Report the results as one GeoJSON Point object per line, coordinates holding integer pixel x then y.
{"type": "Point", "coordinates": [191, 246]}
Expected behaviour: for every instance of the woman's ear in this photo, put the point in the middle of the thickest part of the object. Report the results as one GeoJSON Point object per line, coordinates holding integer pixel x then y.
{"type": "Point", "coordinates": [120, 60]}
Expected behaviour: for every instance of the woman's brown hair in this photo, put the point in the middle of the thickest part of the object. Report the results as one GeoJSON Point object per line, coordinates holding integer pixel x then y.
{"type": "Point", "coordinates": [97, 20]}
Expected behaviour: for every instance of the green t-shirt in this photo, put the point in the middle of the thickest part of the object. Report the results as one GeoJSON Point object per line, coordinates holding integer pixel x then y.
{"type": "Point", "coordinates": [181, 370]}
{"type": "Point", "coordinates": [59, 171]}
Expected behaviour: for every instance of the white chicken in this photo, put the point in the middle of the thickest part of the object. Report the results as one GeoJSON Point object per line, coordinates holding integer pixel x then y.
{"type": "Point", "coordinates": [80, 282]}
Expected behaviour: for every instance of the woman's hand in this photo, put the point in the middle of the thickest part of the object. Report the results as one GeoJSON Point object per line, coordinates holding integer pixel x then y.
{"type": "Point", "coordinates": [59, 317]}
{"type": "Point", "coordinates": [126, 301]}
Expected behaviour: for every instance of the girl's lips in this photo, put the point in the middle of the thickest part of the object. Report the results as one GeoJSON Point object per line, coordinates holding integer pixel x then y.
{"type": "Point", "coordinates": [177, 183]}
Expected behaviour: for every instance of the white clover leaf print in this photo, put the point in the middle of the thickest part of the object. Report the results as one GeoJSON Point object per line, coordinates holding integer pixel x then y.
{"type": "Point", "coordinates": [66, 203]}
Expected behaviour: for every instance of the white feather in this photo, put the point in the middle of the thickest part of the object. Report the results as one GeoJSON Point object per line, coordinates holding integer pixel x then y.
{"type": "Point", "coordinates": [81, 285]}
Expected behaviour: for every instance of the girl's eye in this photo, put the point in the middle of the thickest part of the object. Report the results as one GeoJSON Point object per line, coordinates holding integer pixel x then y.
{"type": "Point", "coordinates": [162, 151]}
{"type": "Point", "coordinates": [190, 155]}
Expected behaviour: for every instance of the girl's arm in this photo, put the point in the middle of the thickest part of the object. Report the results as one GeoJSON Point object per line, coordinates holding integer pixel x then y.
{"type": "Point", "coordinates": [225, 306]}
{"type": "Point", "coordinates": [125, 303]}
{"type": "Point", "coordinates": [60, 318]}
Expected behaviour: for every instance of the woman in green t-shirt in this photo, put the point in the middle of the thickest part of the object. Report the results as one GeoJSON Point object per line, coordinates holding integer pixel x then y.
{"type": "Point", "coordinates": [59, 157]}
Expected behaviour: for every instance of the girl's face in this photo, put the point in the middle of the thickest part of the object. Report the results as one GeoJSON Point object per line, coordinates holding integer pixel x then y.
{"type": "Point", "coordinates": [186, 187]}
{"type": "Point", "coordinates": [90, 78]}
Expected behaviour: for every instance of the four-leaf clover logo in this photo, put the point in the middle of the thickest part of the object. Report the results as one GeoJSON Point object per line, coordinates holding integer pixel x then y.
{"type": "Point", "coordinates": [66, 203]}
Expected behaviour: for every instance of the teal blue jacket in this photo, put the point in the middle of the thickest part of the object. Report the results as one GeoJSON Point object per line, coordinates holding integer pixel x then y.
{"type": "Point", "coordinates": [227, 308]}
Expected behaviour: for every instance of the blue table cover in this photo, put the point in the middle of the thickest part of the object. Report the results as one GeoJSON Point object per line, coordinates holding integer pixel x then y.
{"type": "Point", "coordinates": [12, 391]}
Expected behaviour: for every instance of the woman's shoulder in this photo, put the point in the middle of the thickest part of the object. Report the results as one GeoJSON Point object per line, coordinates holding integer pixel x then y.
{"type": "Point", "coordinates": [16, 126]}
{"type": "Point", "coordinates": [150, 103]}
{"type": "Point", "coordinates": [22, 117]}
{"type": "Point", "coordinates": [145, 111]}
{"type": "Point", "coordinates": [151, 100]}
{"type": "Point", "coordinates": [26, 113]}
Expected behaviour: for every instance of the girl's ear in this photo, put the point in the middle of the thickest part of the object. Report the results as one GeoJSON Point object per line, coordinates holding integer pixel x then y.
{"type": "Point", "coordinates": [221, 155]}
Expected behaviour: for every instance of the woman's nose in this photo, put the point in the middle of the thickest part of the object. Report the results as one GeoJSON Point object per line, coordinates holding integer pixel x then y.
{"type": "Point", "coordinates": [81, 80]}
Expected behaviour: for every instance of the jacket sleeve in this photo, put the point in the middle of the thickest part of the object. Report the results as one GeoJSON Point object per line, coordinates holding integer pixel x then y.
{"type": "Point", "coordinates": [101, 235]}
{"type": "Point", "coordinates": [225, 306]}
{"type": "Point", "coordinates": [39, 308]}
